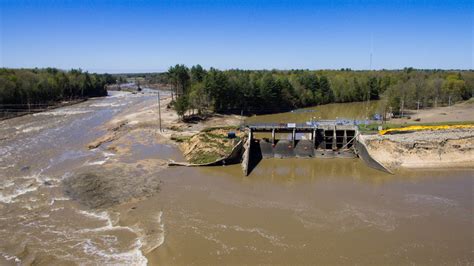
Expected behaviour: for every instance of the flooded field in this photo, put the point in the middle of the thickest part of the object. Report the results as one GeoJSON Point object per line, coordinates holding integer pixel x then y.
{"type": "Point", "coordinates": [62, 203]}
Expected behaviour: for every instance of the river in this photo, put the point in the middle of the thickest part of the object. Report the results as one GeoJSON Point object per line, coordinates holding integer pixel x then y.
{"type": "Point", "coordinates": [292, 211]}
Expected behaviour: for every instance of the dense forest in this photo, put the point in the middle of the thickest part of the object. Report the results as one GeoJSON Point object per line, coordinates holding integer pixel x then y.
{"type": "Point", "coordinates": [201, 91]}
{"type": "Point", "coordinates": [265, 91]}
{"type": "Point", "coordinates": [22, 88]}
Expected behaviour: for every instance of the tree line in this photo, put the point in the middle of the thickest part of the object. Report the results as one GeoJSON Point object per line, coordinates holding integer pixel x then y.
{"type": "Point", "coordinates": [268, 91]}
{"type": "Point", "coordinates": [21, 88]}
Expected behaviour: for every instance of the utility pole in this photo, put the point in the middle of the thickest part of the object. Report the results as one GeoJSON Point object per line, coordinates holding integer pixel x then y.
{"type": "Point", "coordinates": [403, 103]}
{"type": "Point", "coordinates": [368, 105]}
{"type": "Point", "coordinates": [159, 110]}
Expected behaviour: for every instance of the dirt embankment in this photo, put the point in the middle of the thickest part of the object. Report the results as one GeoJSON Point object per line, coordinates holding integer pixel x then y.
{"type": "Point", "coordinates": [424, 149]}
{"type": "Point", "coordinates": [209, 145]}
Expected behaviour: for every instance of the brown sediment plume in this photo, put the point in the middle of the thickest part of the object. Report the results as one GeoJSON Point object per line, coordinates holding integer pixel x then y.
{"type": "Point", "coordinates": [103, 187]}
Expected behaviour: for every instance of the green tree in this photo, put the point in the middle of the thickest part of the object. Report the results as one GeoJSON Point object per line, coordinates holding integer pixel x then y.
{"type": "Point", "coordinates": [373, 88]}
{"type": "Point", "coordinates": [216, 85]}
{"type": "Point", "coordinates": [198, 98]}
{"type": "Point", "coordinates": [197, 73]}
{"type": "Point", "coordinates": [327, 95]}
{"type": "Point", "coordinates": [454, 87]}
{"type": "Point", "coordinates": [181, 106]}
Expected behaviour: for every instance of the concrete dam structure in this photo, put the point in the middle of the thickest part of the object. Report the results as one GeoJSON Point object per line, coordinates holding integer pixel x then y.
{"type": "Point", "coordinates": [321, 139]}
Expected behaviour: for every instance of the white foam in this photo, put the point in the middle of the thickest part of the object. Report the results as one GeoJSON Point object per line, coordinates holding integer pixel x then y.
{"type": "Point", "coordinates": [53, 200]}
{"type": "Point", "coordinates": [101, 162]}
{"type": "Point", "coordinates": [152, 241]}
{"type": "Point", "coordinates": [108, 154]}
{"type": "Point", "coordinates": [16, 193]}
{"type": "Point", "coordinates": [161, 239]}
{"type": "Point", "coordinates": [110, 255]}
{"type": "Point", "coordinates": [64, 112]}
{"type": "Point", "coordinates": [132, 257]}
{"type": "Point", "coordinates": [107, 104]}
{"type": "Point", "coordinates": [274, 240]}
{"type": "Point", "coordinates": [365, 216]}
{"type": "Point", "coordinates": [429, 200]}
{"type": "Point", "coordinates": [96, 248]}
{"type": "Point", "coordinates": [30, 129]}
{"type": "Point", "coordinates": [11, 257]}
{"type": "Point", "coordinates": [102, 216]}
{"type": "Point", "coordinates": [7, 184]}
{"type": "Point", "coordinates": [6, 167]}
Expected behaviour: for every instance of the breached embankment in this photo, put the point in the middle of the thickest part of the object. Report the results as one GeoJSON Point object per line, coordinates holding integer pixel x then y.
{"type": "Point", "coordinates": [212, 147]}
{"type": "Point", "coordinates": [423, 149]}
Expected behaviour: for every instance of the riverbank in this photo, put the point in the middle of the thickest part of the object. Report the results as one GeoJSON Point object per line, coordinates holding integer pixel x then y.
{"type": "Point", "coordinates": [448, 148]}
{"type": "Point", "coordinates": [12, 113]}
{"type": "Point", "coordinates": [423, 149]}
{"type": "Point", "coordinates": [142, 122]}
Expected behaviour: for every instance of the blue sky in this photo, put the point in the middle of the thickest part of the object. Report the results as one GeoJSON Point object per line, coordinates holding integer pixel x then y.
{"type": "Point", "coordinates": [143, 35]}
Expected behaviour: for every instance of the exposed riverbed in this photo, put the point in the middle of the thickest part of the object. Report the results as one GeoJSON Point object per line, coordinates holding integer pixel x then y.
{"type": "Point", "coordinates": [61, 202]}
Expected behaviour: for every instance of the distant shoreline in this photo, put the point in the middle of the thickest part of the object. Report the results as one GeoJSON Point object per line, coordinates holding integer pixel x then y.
{"type": "Point", "coordinates": [48, 108]}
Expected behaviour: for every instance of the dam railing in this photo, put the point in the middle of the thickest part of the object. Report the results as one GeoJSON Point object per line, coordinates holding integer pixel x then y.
{"type": "Point", "coordinates": [307, 125]}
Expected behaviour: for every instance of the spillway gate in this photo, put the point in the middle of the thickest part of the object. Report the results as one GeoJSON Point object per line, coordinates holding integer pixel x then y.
{"type": "Point", "coordinates": [322, 139]}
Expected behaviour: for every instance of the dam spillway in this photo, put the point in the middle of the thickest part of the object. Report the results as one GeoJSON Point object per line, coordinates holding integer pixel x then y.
{"type": "Point", "coordinates": [322, 139]}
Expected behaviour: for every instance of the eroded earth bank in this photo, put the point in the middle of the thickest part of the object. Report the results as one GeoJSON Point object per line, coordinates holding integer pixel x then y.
{"type": "Point", "coordinates": [425, 149]}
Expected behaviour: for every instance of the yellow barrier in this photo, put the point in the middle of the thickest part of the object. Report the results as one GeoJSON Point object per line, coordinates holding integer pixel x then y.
{"type": "Point", "coordinates": [420, 128]}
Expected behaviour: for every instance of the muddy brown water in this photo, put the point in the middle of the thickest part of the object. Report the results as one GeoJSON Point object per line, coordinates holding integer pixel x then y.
{"type": "Point", "coordinates": [357, 110]}
{"type": "Point", "coordinates": [292, 211]}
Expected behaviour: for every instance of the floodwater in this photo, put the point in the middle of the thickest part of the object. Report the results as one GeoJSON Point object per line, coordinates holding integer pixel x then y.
{"type": "Point", "coordinates": [39, 223]}
{"type": "Point", "coordinates": [288, 211]}
{"type": "Point", "coordinates": [333, 211]}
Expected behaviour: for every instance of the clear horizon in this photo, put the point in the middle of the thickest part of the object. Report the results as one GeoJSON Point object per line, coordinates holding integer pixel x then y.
{"type": "Point", "coordinates": [148, 36]}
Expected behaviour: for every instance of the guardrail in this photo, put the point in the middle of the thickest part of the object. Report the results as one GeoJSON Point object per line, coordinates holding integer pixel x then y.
{"type": "Point", "coordinates": [308, 125]}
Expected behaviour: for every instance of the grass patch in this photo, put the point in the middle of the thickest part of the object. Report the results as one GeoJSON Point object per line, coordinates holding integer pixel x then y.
{"type": "Point", "coordinates": [230, 128]}
{"type": "Point", "coordinates": [180, 138]}
{"type": "Point", "coordinates": [201, 157]}
{"type": "Point", "coordinates": [176, 128]}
